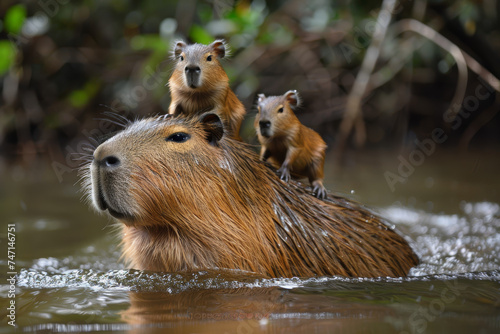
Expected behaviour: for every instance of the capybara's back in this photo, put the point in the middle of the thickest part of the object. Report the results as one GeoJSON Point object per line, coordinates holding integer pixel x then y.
{"type": "Point", "coordinates": [191, 198]}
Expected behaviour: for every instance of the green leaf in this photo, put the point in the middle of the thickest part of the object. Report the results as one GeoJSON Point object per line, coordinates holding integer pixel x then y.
{"type": "Point", "coordinates": [7, 56]}
{"type": "Point", "coordinates": [81, 97]}
{"type": "Point", "coordinates": [78, 98]}
{"type": "Point", "coordinates": [148, 42]}
{"type": "Point", "coordinates": [14, 18]}
{"type": "Point", "coordinates": [199, 35]}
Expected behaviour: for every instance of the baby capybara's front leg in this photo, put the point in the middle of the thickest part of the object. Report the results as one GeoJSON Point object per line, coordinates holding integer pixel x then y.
{"type": "Point", "coordinates": [319, 189]}
{"type": "Point", "coordinates": [291, 155]}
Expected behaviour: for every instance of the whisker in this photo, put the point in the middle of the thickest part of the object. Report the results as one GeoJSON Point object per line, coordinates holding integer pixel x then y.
{"type": "Point", "coordinates": [116, 111]}
{"type": "Point", "coordinates": [124, 121]}
{"type": "Point", "coordinates": [112, 121]}
{"type": "Point", "coordinates": [87, 159]}
{"type": "Point", "coordinates": [80, 153]}
{"type": "Point", "coordinates": [90, 149]}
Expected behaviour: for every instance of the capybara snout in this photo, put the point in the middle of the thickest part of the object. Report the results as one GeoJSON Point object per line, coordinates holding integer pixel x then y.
{"type": "Point", "coordinates": [192, 76]}
{"type": "Point", "coordinates": [110, 176]}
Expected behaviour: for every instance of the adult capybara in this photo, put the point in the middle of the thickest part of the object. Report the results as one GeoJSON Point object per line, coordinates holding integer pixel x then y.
{"type": "Point", "coordinates": [191, 198]}
{"type": "Point", "coordinates": [199, 84]}
{"type": "Point", "coordinates": [286, 143]}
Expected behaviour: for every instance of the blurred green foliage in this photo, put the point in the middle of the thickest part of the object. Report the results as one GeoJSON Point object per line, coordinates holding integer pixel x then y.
{"type": "Point", "coordinates": [12, 24]}
{"type": "Point", "coordinates": [14, 18]}
{"type": "Point", "coordinates": [7, 55]}
{"type": "Point", "coordinates": [61, 61]}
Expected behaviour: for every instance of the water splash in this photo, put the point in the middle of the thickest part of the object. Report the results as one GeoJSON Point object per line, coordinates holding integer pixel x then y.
{"type": "Point", "coordinates": [450, 244]}
{"type": "Point", "coordinates": [135, 280]}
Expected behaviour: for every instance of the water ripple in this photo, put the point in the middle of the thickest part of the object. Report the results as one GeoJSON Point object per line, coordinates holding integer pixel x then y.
{"type": "Point", "coordinates": [134, 280]}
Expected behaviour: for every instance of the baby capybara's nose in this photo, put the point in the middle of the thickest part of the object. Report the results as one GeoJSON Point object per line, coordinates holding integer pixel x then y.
{"type": "Point", "coordinates": [265, 124]}
{"type": "Point", "coordinates": [192, 69]}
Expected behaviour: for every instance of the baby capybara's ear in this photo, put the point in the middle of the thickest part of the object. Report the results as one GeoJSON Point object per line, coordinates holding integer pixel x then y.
{"type": "Point", "coordinates": [292, 97]}
{"type": "Point", "coordinates": [213, 127]}
{"type": "Point", "coordinates": [219, 48]}
{"type": "Point", "coordinates": [178, 48]}
{"type": "Point", "coordinates": [260, 98]}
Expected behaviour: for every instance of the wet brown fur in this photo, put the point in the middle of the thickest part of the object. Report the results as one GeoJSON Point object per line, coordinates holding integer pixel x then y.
{"type": "Point", "coordinates": [211, 203]}
{"type": "Point", "coordinates": [214, 93]}
{"type": "Point", "coordinates": [289, 145]}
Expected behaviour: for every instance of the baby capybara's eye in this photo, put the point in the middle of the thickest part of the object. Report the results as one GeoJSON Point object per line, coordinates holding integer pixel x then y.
{"type": "Point", "coordinates": [209, 58]}
{"type": "Point", "coordinates": [280, 110]}
{"type": "Point", "coordinates": [178, 137]}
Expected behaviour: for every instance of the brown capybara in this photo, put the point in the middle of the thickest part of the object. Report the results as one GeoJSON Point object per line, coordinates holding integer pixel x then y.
{"type": "Point", "coordinates": [286, 143]}
{"type": "Point", "coordinates": [191, 198]}
{"type": "Point", "coordinates": [199, 84]}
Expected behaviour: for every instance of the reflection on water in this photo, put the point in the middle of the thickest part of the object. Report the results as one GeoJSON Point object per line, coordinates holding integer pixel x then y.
{"type": "Point", "coordinates": [70, 278]}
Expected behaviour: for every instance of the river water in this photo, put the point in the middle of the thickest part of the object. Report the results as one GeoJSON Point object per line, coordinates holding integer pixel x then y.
{"type": "Point", "coordinates": [70, 278]}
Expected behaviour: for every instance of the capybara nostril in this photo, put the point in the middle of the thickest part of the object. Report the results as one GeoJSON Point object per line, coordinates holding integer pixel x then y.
{"type": "Point", "coordinates": [110, 161]}
{"type": "Point", "coordinates": [265, 124]}
{"type": "Point", "coordinates": [192, 69]}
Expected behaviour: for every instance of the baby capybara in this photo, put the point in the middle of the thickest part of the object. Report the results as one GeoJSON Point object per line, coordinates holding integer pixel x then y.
{"type": "Point", "coordinates": [286, 143]}
{"type": "Point", "coordinates": [191, 198]}
{"type": "Point", "coordinates": [199, 84]}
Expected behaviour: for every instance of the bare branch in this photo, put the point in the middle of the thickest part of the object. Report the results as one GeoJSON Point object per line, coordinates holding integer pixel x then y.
{"type": "Point", "coordinates": [431, 34]}
{"type": "Point", "coordinates": [353, 105]}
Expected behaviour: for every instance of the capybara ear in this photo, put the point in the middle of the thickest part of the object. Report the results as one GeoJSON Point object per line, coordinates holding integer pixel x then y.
{"type": "Point", "coordinates": [214, 129]}
{"type": "Point", "coordinates": [178, 48]}
{"type": "Point", "coordinates": [292, 97]}
{"type": "Point", "coordinates": [260, 98]}
{"type": "Point", "coordinates": [219, 48]}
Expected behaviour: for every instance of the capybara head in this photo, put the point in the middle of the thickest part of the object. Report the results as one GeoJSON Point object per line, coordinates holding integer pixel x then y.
{"type": "Point", "coordinates": [137, 174]}
{"type": "Point", "coordinates": [198, 68]}
{"type": "Point", "coordinates": [191, 198]}
{"type": "Point", "coordinates": [274, 113]}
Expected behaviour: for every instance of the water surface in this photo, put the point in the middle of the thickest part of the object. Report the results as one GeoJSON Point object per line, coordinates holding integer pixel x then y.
{"type": "Point", "coordinates": [70, 278]}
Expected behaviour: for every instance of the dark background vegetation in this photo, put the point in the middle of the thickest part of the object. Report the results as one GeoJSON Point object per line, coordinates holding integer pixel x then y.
{"type": "Point", "coordinates": [64, 63]}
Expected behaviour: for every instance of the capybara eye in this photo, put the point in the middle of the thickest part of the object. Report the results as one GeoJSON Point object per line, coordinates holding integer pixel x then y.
{"type": "Point", "coordinates": [280, 110]}
{"type": "Point", "coordinates": [181, 58]}
{"type": "Point", "coordinates": [209, 58]}
{"type": "Point", "coordinates": [178, 137]}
